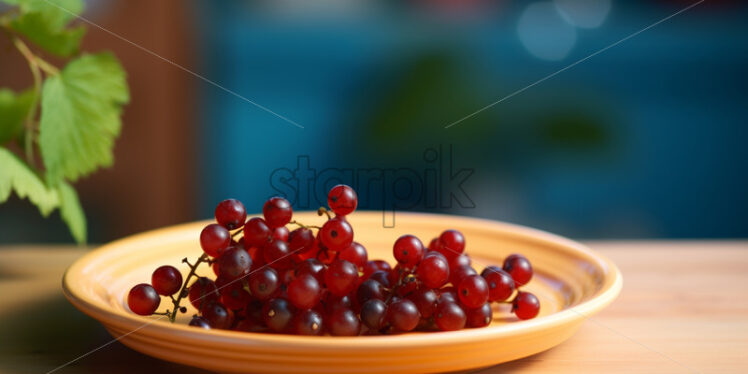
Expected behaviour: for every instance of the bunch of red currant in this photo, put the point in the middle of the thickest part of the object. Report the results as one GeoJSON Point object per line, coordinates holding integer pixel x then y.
{"type": "Point", "coordinates": [273, 280]}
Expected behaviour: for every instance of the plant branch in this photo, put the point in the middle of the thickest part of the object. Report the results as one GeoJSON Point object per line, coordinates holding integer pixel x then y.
{"type": "Point", "coordinates": [183, 292]}
{"type": "Point", "coordinates": [37, 75]}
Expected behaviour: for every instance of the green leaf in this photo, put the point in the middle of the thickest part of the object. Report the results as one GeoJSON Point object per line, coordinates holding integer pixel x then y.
{"type": "Point", "coordinates": [13, 111]}
{"type": "Point", "coordinates": [72, 212]}
{"type": "Point", "coordinates": [16, 176]}
{"type": "Point", "coordinates": [44, 22]}
{"type": "Point", "coordinates": [80, 116]}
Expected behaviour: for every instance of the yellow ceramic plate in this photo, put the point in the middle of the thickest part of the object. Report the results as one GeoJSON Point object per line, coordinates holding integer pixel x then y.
{"type": "Point", "coordinates": [571, 281]}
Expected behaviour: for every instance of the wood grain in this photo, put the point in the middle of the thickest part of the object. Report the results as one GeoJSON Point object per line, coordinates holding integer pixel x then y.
{"type": "Point", "coordinates": [684, 308]}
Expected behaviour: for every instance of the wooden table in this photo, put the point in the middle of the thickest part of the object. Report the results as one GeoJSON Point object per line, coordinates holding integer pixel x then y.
{"type": "Point", "coordinates": [684, 308]}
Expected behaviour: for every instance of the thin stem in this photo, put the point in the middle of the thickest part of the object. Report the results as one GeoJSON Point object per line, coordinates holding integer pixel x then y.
{"type": "Point", "coordinates": [36, 73]}
{"type": "Point", "coordinates": [294, 222]}
{"type": "Point", "coordinates": [182, 292]}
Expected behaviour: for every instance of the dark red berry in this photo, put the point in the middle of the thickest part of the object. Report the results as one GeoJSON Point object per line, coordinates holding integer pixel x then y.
{"type": "Point", "coordinates": [256, 232]}
{"type": "Point", "coordinates": [307, 322]}
{"type": "Point", "coordinates": [479, 317]}
{"type": "Point", "coordinates": [143, 299]}
{"type": "Point", "coordinates": [166, 280]}
{"type": "Point", "coordinates": [304, 292]}
{"type": "Point", "coordinates": [500, 284]}
{"type": "Point", "coordinates": [449, 316]}
{"type": "Point", "coordinates": [519, 268]}
{"type": "Point", "coordinates": [277, 212]}
{"type": "Point", "coordinates": [341, 277]}
{"type": "Point", "coordinates": [343, 322]}
{"type": "Point", "coordinates": [263, 283]}
{"type": "Point", "coordinates": [403, 315]}
{"type": "Point", "coordinates": [234, 263]}
{"type": "Point", "coordinates": [526, 305]}
{"type": "Point", "coordinates": [230, 214]}
{"type": "Point", "coordinates": [214, 239]}
{"type": "Point", "coordinates": [218, 316]}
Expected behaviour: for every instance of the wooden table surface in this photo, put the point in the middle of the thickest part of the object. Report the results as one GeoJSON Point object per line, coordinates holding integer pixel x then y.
{"type": "Point", "coordinates": [683, 308]}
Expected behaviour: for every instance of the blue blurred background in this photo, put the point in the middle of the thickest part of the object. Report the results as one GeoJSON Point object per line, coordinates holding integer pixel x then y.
{"type": "Point", "coordinates": [647, 139]}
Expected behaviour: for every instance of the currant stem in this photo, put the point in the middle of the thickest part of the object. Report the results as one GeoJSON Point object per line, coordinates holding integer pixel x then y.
{"type": "Point", "coordinates": [324, 211]}
{"type": "Point", "coordinates": [183, 292]}
{"type": "Point", "coordinates": [305, 226]}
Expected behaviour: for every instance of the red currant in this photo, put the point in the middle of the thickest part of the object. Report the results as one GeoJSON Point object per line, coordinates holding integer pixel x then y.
{"type": "Point", "coordinates": [525, 305]}
{"type": "Point", "coordinates": [336, 234]}
{"type": "Point", "coordinates": [214, 239]}
{"type": "Point", "coordinates": [143, 299]}
{"type": "Point", "coordinates": [519, 268]}
{"type": "Point", "coordinates": [449, 316]}
{"type": "Point", "coordinates": [341, 277]}
{"type": "Point", "coordinates": [480, 316]}
{"type": "Point", "coordinates": [403, 315]}
{"type": "Point", "coordinates": [342, 200]}
{"type": "Point", "coordinates": [500, 284]}
{"type": "Point", "coordinates": [166, 280]}
{"type": "Point", "coordinates": [304, 292]}
{"type": "Point", "coordinates": [408, 251]}
{"type": "Point", "coordinates": [433, 271]}
{"type": "Point", "coordinates": [256, 232]}
{"type": "Point", "coordinates": [231, 214]}
{"type": "Point", "coordinates": [473, 291]}
{"type": "Point", "coordinates": [277, 212]}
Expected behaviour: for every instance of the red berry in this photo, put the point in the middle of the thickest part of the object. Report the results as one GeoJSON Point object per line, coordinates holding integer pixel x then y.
{"type": "Point", "coordinates": [425, 300]}
{"type": "Point", "coordinates": [403, 315]}
{"type": "Point", "coordinates": [256, 232]}
{"type": "Point", "coordinates": [455, 277]}
{"type": "Point", "coordinates": [214, 239]}
{"type": "Point", "coordinates": [449, 316]}
{"type": "Point", "coordinates": [230, 214]}
{"type": "Point", "coordinates": [343, 322]}
{"type": "Point", "coordinates": [433, 271]}
{"type": "Point", "coordinates": [473, 291]}
{"type": "Point", "coordinates": [374, 314]}
{"type": "Point", "coordinates": [281, 233]}
{"type": "Point", "coordinates": [341, 277]}
{"type": "Point", "coordinates": [355, 253]}
{"type": "Point", "coordinates": [500, 283]}
{"type": "Point", "coordinates": [234, 263]}
{"type": "Point", "coordinates": [526, 305]}
{"type": "Point", "coordinates": [408, 251]}
{"type": "Point", "coordinates": [233, 295]}
{"type": "Point", "coordinates": [519, 268]}
{"type": "Point", "coordinates": [277, 314]}
{"type": "Point", "coordinates": [479, 317]}
{"type": "Point", "coordinates": [277, 255]}
{"type": "Point", "coordinates": [218, 316]}
{"type": "Point", "coordinates": [203, 292]}
{"type": "Point", "coordinates": [452, 243]}
{"type": "Point", "coordinates": [277, 212]}
{"type": "Point", "coordinates": [304, 292]}
{"type": "Point", "coordinates": [307, 322]}
{"type": "Point", "coordinates": [166, 280]}
{"type": "Point", "coordinates": [312, 267]}
{"type": "Point", "coordinates": [263, 283]}
{"type": "Point", "coordinates": [143, 299]}
{"type": "Point", "coordinates": [336, 234]}
{"type": "Point", "coordinates": [369, 289]}
{"type": "Point", "coordinates": [342, 200]}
